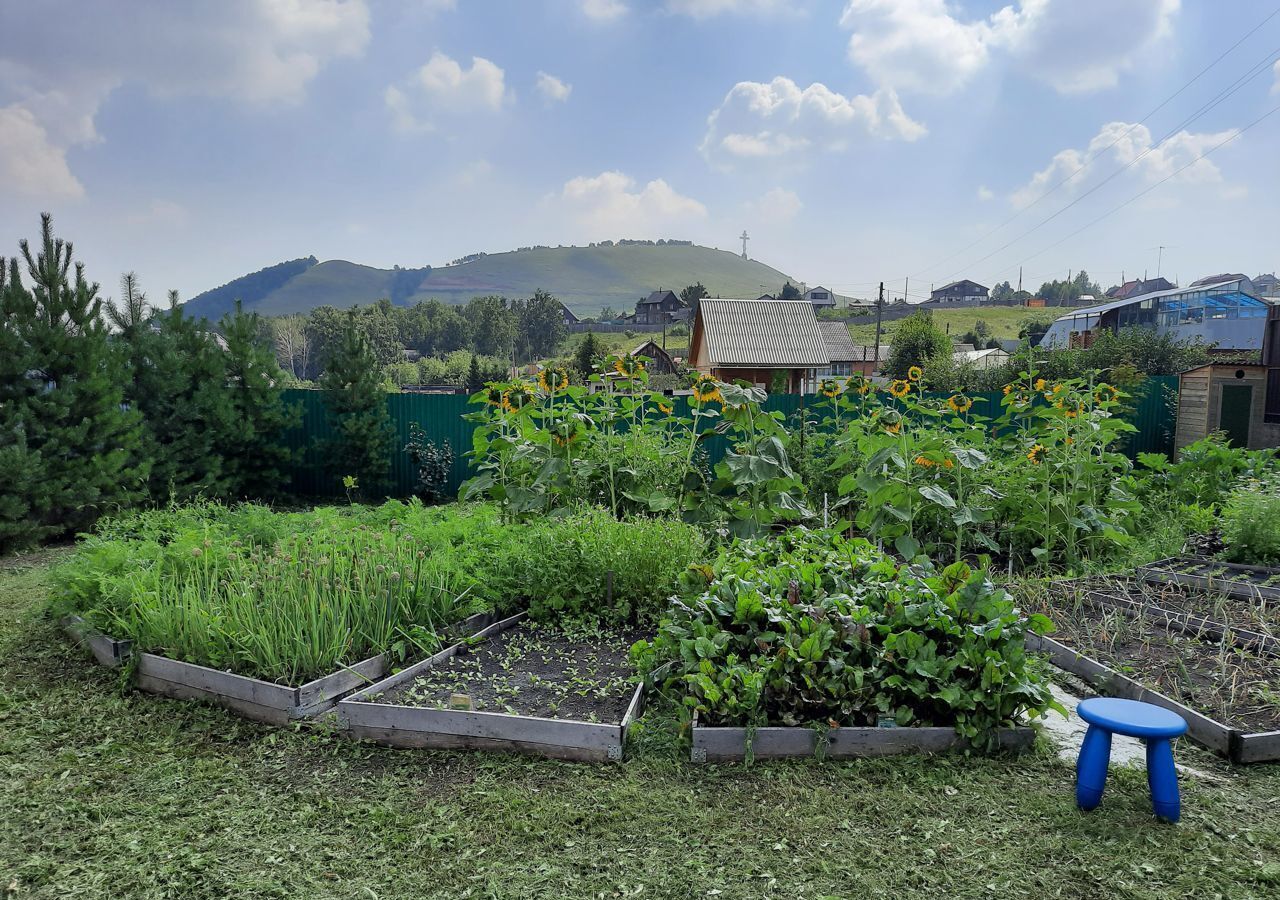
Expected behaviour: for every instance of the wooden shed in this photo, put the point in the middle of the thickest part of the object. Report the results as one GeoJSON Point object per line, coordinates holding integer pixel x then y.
{"type": "Point", "coordinates": [1226, 398]}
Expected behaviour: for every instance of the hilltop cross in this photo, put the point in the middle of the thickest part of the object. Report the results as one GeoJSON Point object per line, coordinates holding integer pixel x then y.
{"type": "Point", "coordinates": [745, 237]}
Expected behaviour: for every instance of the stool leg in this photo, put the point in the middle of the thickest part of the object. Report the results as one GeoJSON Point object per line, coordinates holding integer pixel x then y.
{"type": "Point", "coordinates": [1163, 779]}
{"type": "Point", "coordinates": [1091, 767]}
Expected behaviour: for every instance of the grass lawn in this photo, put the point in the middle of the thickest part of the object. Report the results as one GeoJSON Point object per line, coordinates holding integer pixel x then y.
{"type": "Point", "coordinates": [116, 794]}
{"type": "Point", "coordinates": [1004, 321]}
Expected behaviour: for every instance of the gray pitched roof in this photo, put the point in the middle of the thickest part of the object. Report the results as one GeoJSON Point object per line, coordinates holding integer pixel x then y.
{"type": "Point", "coordinates": [839, 343]}
{"type": "Point", "coordinates": [865, 352]}
{"type": "Point", "coordinates": [763, 334]}
{"type": "Point", "coordinates": [658, 297]}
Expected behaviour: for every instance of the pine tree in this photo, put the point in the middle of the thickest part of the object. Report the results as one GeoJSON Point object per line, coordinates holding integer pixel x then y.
{"type": "Point", "coordinates": [256, 461]}
{"type": "Point", "coordinates": [475, 380]}
{"type": "Point", "coordinates": [358, 413]}
{"type": "Point", "coordinates": [64, 411]}
{"type": "Point", "coordinates": [584, 358]}
{"type": "Point", "coordinates": [178, 382]}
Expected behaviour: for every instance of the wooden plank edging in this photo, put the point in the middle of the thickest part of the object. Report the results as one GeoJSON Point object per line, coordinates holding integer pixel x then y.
{"type": "Point", "coordinates": [107, 650]}
{"type": "Point", "coordinates": [1264, 746]}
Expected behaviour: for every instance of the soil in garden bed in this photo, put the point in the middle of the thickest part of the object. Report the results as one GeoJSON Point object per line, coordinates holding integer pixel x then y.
{"type": "Point", "coordinates": [1257, 615]}
{"type": "Point", "coordinates": [1258, 576]}
{"type": "Point", "coordinates": [1236, 687]}
{"type": "Point", "coordinates": [551, 672]}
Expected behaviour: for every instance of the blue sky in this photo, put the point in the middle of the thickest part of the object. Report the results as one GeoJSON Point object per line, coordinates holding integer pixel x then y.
{"type": "Point", "coordinates": [856, 141]}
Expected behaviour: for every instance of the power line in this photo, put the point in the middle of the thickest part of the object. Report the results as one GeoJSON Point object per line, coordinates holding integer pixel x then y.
{"type": "Point", "coordinates": [1148, 190]}
{"type": "Point", "coordinates": [1254, 72]}
{"type": "Point", "coordinates": [1089, 160]}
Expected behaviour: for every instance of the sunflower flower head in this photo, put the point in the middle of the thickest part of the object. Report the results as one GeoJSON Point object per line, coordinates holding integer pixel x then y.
{"type": "Point", "coordinates": [914, 373]}
{"type": "Point", "coordinates": [628, 366]}
{"type": "Point", "coordinates": [706, 389]}
{"type": "Point", "coordinates": [665, 408]}
{"type": "Point", "coordinates": [959, 403]}
{"type": "Point", "coordinates": [899, 387]}
{"type": "Point", "coordinates": [1040, 384]}
{"type": "Point", "coordinates": [830, 387]}
{"type": "Point", "coordinates": [1105, 394]}
{"type": "Point", "coordinates": [519, 394]}
{"type": "Point", "coordinates": [553, 378]}
{"type": "Point", "coordinates": [495, 396]}
{"type": "Point", "coordinates": [1036, 454]}
{"type": "Point", "coordinates": [924, 462]}
{"type": "Point", "coordinates": [1008, 389]}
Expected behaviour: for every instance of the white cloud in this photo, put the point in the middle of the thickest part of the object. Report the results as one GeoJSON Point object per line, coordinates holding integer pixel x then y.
{"type": "Point", "coordinates": [552, 88]}
{"type": "Point", "coordinates": [1132, 144]}
{"type": "Point", "coordinates": [29, 164]}
{"type": "Point", "coordinates": [61, 59]}
{"type": "Point", "coordinates": [443, 86]}
{"type": "Point", "coordinates": [705, 9]}
{"type": "Point", "coordinates": [779, 118]}
{"type": "Point", "coordinates": [777, 205]}
{"type": "Point", "coordinates": [612, 203]}
{"type": "Point", "coordinates": [985, 193]}
{"type": "Point", "coordinates": [603, 10]}
{"type": "Point", "coordinates": [1075, 45]}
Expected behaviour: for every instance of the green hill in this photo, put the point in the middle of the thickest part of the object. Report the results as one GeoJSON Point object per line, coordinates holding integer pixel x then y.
{"type": "Point", "coordinates": [584, 278]}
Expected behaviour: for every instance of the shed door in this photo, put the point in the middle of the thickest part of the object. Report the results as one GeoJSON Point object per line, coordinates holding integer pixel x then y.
{"type": "Point", "coordinates": [1233, 415]}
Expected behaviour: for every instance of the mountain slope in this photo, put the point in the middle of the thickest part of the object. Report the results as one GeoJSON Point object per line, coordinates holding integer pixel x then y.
{"type": "Point", "coordinates": [584, 278]}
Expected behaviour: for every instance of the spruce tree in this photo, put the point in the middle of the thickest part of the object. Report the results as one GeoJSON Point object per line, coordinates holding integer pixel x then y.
{"type": "Point", "coordinates": [257, 463]}
{"type": "Point", "coordinates": [65, 410]}
{"type": "Point", "coordinates": [358, 415]}
{"type": "Point", "coordinates": [475, 381]}
{"type": "Point", "coordinates": [178, 382]}
{"type": "Point", "coordinates": [584, 358]}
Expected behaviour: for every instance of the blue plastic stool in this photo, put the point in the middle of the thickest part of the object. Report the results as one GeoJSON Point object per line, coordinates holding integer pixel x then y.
{"type": "Point", "coordinates": [1153, 725]}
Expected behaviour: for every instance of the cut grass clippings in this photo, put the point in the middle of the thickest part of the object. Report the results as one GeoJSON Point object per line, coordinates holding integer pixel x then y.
{"type": "Point", "coordinates": [125, 795]}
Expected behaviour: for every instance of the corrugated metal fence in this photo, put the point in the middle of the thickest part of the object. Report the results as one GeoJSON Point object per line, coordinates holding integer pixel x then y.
{"type": "Point", "coordinates": [441, 418]}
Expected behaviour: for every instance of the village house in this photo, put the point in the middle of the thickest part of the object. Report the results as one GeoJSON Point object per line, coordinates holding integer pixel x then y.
{"type": "Point", "coordinates": [820, 297]}
{"type": "Point", "coordinates": [660, 308]}
{"type": "Point", "coordinates": [755, 340]}
{"type": "Point", "coordinates": [964, 291]}
{"type": "Point", "coordinates": [660, 361]}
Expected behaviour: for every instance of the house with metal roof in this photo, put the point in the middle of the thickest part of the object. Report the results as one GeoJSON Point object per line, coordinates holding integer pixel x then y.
{"type": "Point", "coordinates": [963, 291]}
{"type": "Point", "coordinates": [660, 361]}
{"type": "Point", "coordinates": [659, 308]}
{"type": "Point", "coordinates": [755, 340]}
{"type": "Point", "coordinates": [1221, 314]}
{"type": "Point", "coordinates": [820, 297]}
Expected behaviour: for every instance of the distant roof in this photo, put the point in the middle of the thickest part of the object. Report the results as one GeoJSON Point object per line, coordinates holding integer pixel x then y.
{"type": "Point", "coordinates": [840, 345]}
{"type": "Point", "coordinates": [766, 334]}
{"type": "Point", "coordinates": [952, 284]}
{"type": "Point", "coordinates": [1218, 279]}
{"type": "Point", "coordinates": [657, 297]}
{"type": "Point", "coordinates": [962, 348]}
{"type": "Point", "coordinates": [866, 352]}
{"type": "Point", "coordinates": [1116, 304]}
{"type": "Point", "coordinates": [975, 355]}
{"type": "Point", "coordinates": [650, 349]}
{"type": "Point", "coordinates": [1138, 286]}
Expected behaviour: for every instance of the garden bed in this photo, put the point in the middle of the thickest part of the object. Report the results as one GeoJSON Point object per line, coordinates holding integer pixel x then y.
{"type": "Point", "coordinates": [1253, 624]}
{"type": "Point", "coordinates": [261, 700]}
{"type": "Point", "coordinates": [1226, 693]}
{"type": "Point", "coordinates": [737, 744]}
{"type": "Point", "coordinates": [1203, 573]}
{"type": "Point", "coordinates": [515, 686]}
{"type": "Point", "coordinates": [105, 649]}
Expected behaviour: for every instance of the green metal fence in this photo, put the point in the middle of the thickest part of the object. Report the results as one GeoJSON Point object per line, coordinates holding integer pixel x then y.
{"type": "Point", "coordinates": [441, 418]}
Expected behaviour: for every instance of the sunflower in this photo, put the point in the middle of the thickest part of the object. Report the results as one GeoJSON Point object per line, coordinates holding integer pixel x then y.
{"type": "Point", "coordinates": [914, 373]}
{"type": "Point", "coordinates": [566, 432]}
{"type": "Point", "coordinates": [948, 463]}
{"type": "Point", "coordinates": [1040, 384]}
{"type": "Point", "coordinates": [705, 389]}
{"type": "Point", "coordinates": [959, 403]}
{"type": "Point", "coordinates": [829, 387]}
{"type": "Point", "coordinates": [924, 462]}
{"type": "Point", "coordinates": [518, 395]}
{"type": "Point", "coordinates": [553, 378]}
{"type": "Point", "coordinates": [495, 396]}
{"type": "Point", "coordinates": [505, 403]}
{"type": "Point", "coordinates": [665, 408]}
{"type": "Point", "coordinates": [1036, 454]}
{"type": "Point", "coordinates": [900, 387]}
{"type": "Point", "coordinates": [1008, 389]}
{"type": "Point", "coordinates": [893, 427]}
{"type": "Point", "coordinates": [1105, 394]}
{"type": "Point", "coordinates": [628, 366]}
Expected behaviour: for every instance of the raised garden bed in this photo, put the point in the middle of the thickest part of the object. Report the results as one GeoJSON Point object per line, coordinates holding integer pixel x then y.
{"type": "Point", "coordinates": [1227, 694]}
{"type": "Point", "coordinates": [1203, 573]}
{"type": "Point", "coordinates": [1254, 625]}
{"type": "Point", "coordinates": [105, 649]}
{"type": "Point", "coordinates": [515, 686]}
{"type": "Point", "coordinates": [736, 744]}
{"type": "Point", "coordinates": [258, 699]}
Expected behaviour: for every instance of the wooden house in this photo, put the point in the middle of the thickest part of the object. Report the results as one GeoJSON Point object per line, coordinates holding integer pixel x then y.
{"type": "Point", "coordinates": [755, 340]}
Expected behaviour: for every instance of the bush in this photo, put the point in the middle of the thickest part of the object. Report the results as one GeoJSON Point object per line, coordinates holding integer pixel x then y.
{"type": "Point", "coordinates": [1251, 523]}
{"type": "Point", "coordinates": [815, 630]}
{"type": "Point", "coordinates": [565, 564]}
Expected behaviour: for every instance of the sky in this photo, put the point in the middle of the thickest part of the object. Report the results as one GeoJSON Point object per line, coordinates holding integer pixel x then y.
{"type": "Point", "coordinates": [913, 142]}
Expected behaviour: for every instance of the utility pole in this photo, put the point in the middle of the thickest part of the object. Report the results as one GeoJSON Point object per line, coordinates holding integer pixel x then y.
{"type": "Point", "coordinates": [906, 283]}
{"type": "Point", "coordinates": [1160, 261]}
{"type": "Point", "coordinates": [1019, 279]}
{"type": "Point", "coordinates": [744, 237]}
{"type": "Point", "coordinates": [879, 317]}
